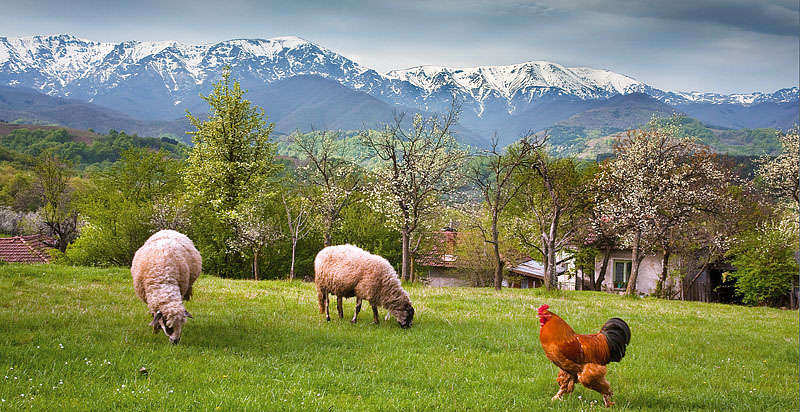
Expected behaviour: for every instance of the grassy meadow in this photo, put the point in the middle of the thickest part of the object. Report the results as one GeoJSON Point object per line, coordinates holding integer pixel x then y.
{"type": "Point", "coordinates": [76, 337]}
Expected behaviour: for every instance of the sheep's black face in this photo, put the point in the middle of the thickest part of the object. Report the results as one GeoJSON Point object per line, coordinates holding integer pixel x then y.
{"type": "Point", "coordinates": [406, 319]}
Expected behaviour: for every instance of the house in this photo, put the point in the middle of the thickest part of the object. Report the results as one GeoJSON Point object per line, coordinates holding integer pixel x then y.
{"type": "Point", "coordinates": [439, 265]}
{"type": "Point", "coordinates": [531, 275]}
{"type": "Point", "coordinates": [618, 271]}
{"type": "Point", "coordinates": [25, 249]}
{"type": "Point", "coordinates": [464, 259]}
{"type": "Point", "coordinates": [705, 283]}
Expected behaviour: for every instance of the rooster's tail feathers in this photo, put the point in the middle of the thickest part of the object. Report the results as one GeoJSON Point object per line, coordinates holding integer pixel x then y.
{"type": "Point", "coordinates": [618, 335]}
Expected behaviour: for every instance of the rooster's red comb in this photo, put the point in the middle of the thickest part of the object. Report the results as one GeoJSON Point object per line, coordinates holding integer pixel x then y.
{"type": "Point", "coordinates": [543, 308]}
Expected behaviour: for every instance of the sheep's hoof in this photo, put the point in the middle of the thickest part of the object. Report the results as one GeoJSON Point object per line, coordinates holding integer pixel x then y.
{"type": "Point", "coordinates": [353, 321]}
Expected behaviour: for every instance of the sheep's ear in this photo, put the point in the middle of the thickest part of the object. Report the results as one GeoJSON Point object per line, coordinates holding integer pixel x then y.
{"type": "Point", "coordinates": [154, 323]}
{"type": "Point", "coordinates": [187, 314]}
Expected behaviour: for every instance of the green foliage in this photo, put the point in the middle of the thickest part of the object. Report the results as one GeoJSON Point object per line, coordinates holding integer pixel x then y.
{"type": "Point", "coordinates": [765, 262]}
{"type": "Point", "coordinates": [17, 191]}
{"type": "Point", "coordinates": [366, 228]}
{"type": "Point", "coordinates": [118, 205]}
{"type": "Point", "coordinates": [58, 213]}
{"type": "Point", "coordinates": [106, 148]}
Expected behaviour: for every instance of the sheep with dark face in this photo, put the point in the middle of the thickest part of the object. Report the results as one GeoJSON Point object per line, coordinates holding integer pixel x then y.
{"type": "Point", "coordinates": [348, 271]}
{"type": "Point", "coordinates": [163, 271]}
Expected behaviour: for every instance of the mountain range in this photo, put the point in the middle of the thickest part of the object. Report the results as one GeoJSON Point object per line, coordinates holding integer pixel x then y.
{"type": "Point", "coordinates": [303, 85]}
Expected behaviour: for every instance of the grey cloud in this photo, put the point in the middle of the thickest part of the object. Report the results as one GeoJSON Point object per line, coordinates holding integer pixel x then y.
{"type": "Point", "coordinates": [780, 17]}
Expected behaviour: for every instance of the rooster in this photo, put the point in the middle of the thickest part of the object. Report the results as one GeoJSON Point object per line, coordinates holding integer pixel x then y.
{"type": "Point", "coordinates": [582, 358]}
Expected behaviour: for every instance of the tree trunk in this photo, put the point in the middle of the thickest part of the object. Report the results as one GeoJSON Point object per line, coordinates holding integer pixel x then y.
{"type": "Point", "coordinates": [631, 289]}
{"type": "Point", "coordinates": [552, 270]}
{"type": "Point", "coordinates": [662, 280]}
{"type": "Point", "coordinates": [549, 241]}
{"type": "Point", "coordinates": [498, 263]}
{"type": "Point", "coordinates": [291, 268]}
{"type": "Point", "coordinates": [498, 269]}
{"type": "Point", "coordinates": [545, 266]}
{"type": "Point", "coordinates": [255, 264]}
{"type": "Point", "coordinates": [591, 278]}
{"type": "Point", "coordinates": [601, 277]}
{"type": "Point", "coordinates": [406, 255]}
{"type": "Point", "coordinates": [327, 241]}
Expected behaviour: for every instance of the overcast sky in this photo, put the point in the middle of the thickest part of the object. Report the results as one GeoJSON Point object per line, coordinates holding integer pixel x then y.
{"type": "Point", "coordinates": [708, 45]}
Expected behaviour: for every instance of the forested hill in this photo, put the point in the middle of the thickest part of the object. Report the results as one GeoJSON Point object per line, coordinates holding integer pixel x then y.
{"type": "Point", "coordinates": [21, 143]}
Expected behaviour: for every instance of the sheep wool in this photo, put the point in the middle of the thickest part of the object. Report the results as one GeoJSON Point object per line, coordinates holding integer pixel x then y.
{"type": "Point", "coordinates": [163, 271]}
{"type": "Point", "coordinates": [347, 271]}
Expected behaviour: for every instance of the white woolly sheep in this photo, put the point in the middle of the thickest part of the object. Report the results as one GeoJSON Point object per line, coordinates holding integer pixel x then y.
{"type": "Point", "coordinates": [347, 271]}
{"type": "Point", "coordinates": [163, 271]}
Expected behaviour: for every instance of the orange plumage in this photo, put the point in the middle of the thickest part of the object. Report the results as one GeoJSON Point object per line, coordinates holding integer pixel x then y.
{"type": "Point", "coordinates": [582, 358]}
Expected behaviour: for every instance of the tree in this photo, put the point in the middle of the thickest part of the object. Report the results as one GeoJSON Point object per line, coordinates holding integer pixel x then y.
{"type": "Point", "coordinates": [230, 161]}
{"type": "Point", "coordinates": [336, 179]}
{"type": "Point", "coordinates": [781, 175]}
{"type": "Point", "coordinates": [493, 177]}
{"type": "Point", "coordinates": [255, 227]}
{"type": "Point", "coordinates": [52, 177]}
{"type": "Point", "coordinates": [653, 185]}
{"type": "Point", "coordinates": [554, 201]}
{"type": "Point", "coordinates": [297, 223]}
{"type": "Point", "coordinates": [601, 235]}
{"type": "Point", "coordinates": [119, 206]}
{"type": "Point", "coordinates": [418, 167]}
{"type": "Point", "coordinates": [764, 257]}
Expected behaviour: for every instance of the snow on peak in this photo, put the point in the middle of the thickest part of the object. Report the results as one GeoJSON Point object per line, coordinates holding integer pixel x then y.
{"type": "Point", "coordinates": [509, 80]}
{"type": "Point", "coordinates": [67, 65]}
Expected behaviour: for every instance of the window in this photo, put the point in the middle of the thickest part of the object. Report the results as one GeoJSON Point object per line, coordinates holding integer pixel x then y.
{"type": "Point", "coordinates": [622, 271]}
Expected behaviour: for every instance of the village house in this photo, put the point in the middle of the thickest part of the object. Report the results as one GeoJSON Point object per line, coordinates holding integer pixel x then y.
{"type": "Point", "coordinates": [531, 275]}
{"type": "Point", "coordinates": [25, 249]}
{"type": "Point", "coordinates": [445, 264]}
{"type": "Point", "coordinates": [705, 283]}
{"type": "Point", "coordinates": [439, 266]}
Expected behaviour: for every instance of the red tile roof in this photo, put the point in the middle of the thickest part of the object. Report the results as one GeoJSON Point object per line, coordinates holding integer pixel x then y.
{"type": "Point", "coordinates": [25, 249]}
{"type": "Point", "coordinates": [442, 250]}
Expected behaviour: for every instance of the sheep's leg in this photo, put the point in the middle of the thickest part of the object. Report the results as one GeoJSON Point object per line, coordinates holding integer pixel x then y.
{"type": "Point", "coordinates": [339, 307]}
{"type": "Point", "coordinates": [327, 310]}
{"type": "Point", "coordinates": [374, 313]}
{"type": "Point", "coordinates": [358, 309]}
{"type": "Point", "coordinates": [188, 294]}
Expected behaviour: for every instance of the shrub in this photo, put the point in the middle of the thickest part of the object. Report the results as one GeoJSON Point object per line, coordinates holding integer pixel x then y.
{"type": "Point", "coordinates": [765, 262]}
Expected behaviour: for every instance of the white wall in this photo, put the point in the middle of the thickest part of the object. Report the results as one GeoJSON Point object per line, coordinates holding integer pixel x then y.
{"type": "Point", "coordinates": [649, 270]}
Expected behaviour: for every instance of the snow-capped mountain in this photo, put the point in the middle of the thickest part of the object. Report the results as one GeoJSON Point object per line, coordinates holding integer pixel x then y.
{"type": "Point", "coordinates": [528, 79]}
{"type": "Point", "coordinates": [161, 80]}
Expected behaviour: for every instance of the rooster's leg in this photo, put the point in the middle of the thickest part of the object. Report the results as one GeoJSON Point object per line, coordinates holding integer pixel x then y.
{"type": "Point", "coordinates": [593, 376]}
{"type": "Point", "coordinates": [566, 383]}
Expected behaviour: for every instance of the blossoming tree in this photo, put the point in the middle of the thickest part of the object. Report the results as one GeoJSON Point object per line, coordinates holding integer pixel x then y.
{"type": "Point", "coordinates": [417, 167]}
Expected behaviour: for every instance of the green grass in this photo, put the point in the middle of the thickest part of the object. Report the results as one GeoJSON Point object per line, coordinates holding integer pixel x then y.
{"type": "Point", "coordinates": [74, 338]}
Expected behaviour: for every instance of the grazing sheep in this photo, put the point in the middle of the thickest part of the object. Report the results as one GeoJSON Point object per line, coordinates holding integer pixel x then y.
{"type": "Point", "coordinates": [163, 271]}
{"type": "Point", "coordinates": [347, 271]}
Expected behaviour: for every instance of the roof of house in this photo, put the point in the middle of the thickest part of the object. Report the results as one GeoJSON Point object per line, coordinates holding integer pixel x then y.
{"type": "Point", "coordinates": [442, 252]}
{"type": "Point", "coordinates": [25, 249]}
{"type": "Point", "coordinates": [533, 269]}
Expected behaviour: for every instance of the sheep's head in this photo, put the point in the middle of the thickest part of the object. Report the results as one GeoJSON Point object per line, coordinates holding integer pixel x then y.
{"type": "Point", "coordinates": [171, 324]}
{"type": "Point", "coordinates": [404, 315]}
